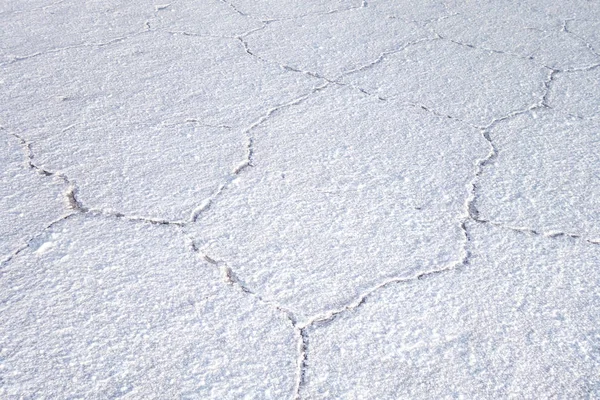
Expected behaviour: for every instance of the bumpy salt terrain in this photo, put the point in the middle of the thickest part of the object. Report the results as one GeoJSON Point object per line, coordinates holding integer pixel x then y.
{"type": "Point", "coordinates": [289, 199]}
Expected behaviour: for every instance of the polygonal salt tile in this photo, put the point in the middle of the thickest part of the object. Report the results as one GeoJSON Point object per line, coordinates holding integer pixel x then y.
{"type": "Point", "coordinates": [345, 192]}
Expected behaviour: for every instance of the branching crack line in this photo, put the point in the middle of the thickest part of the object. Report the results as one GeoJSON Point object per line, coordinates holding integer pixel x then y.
{"type": "Point", "coordinates": [89, 213]}
{"type": "Point", "coordinates": [337, 80]}
{"type": "Point", "coordinates": [329, 316]}
{"type": "Point", "coordinates": [70, 194]}
{"type": "Point", "coordinates": [229, 277]}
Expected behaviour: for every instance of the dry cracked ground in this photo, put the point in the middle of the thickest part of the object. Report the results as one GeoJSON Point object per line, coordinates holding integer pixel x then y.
{"type": "Point", "coordinates": [321, 199]}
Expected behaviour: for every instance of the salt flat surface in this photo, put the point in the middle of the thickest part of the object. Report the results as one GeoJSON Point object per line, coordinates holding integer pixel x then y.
{"type": "Point", "coordinates": [300, 200]}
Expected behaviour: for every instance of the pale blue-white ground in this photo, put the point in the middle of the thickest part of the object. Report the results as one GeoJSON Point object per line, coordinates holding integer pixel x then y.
{"type": "Point", "coordinates": [299, 200]}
